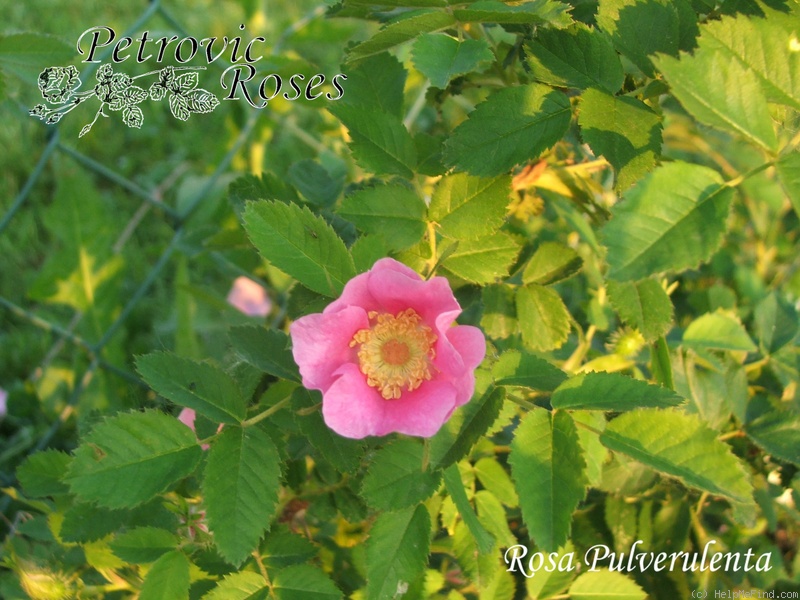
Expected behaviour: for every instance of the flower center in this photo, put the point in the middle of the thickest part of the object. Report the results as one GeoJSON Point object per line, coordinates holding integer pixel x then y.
{"type": "Point", "coordinates": [396, 352]}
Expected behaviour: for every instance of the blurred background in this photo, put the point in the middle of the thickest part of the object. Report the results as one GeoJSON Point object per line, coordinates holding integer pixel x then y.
{"type": "Point", "coordinates": [123, 241]}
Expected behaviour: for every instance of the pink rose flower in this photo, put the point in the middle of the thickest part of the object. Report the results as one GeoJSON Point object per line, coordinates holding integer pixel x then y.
{"type": "Point", "coordinates": [385, 354]}
{"type": "Point", "coordinates": [187, 416]}
{"type": "Point", "coordinates": [249, 297]}
{"type": "Point", "coordinates": [3, 403]}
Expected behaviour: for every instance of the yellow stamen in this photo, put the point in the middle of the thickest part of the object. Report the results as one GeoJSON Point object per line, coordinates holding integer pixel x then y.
{"type": "Point", "coordinates": [396, 352]}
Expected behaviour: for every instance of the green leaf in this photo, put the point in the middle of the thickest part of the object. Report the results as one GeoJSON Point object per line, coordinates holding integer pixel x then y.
{"type": "Point", "coordinates": [88, 523]}
{"type": "Point", "coordinates": [643, 305]}
{"type": "Point", "coordinates": [549, 472]}
{"type": "Point", "coordinates": [27, 53]}
{"type": "Point", "coordinates": [305, 582]}
{"type": "Point", "coordinates": [406, 28]}
{"type": "Point", "coordinates": [455, 487]}
{"type": "Point", "coordinates": [778, 433]}
{"type": "Point", "coordinates": [527, 370]}
{"type": "Point", "coordinates": [538, 12]}
{"type": "Point", "coordinates": [367, 250]}
{"type": "Point", "coordinates": [254, 187]}
{"type": "Point", "coordinates": [143, 544]}
{"type": "Point", "coordinates": [379, 141]}
{"type": "Point", "coordinates": [673, 219]}
{"type": "Point", "coordinates": [398, 3]}
{"type": "Point", "coordinates": [455, 439]}
{"type": "Point", "coordinates": [41, 474]}
{"type": "Point", "coordinates": [605, 585]}
{"type": "Point", "coordinates": [499, 319]}
{"type": "Point", "coordinates": [300, 244]}
{"type": "Point", "coordinates": [266, 349]}
{"type": "Point", "coordinates": [611, 392]}
{"type": "Point", "coordinates": [776, 323]}
{"type": "Point", "coordinates": [395, 478]}
{"type": "Point", "coordinates": [788, 169]}
{"type": "Point", "coordinates": [761, 47]}
{"type": "Point", "coordinates": [441, 57]}
{"type": "Point", "coordinates": [343, 453]}
{"type": "Point", "coordinates": [543, 318]}
{"type": "Point", "coordinates": [243, 585]}
{"type": "Point", "coordinates": [397, 551]}
{"type": "Point", "coordinates": [240, 485]}
{"type": "Point", "coordinates": [717, 331]}
{"type": "Point", "coordinates": [483, 260]}
{"type": "Point", "coordinates": [578, 57]}
{"type": "Point", "coordinates": [495, 479]}
{"type": "Point", "coordinates": [129, 458]}
{"type": "Point", "coordinates": [624, 130]}
{"type": "Point", "coordinates": [393, 212]}
{"type": "Point", "coordinates": [167, 579]}
{"type": "Point", "coordinates": [467, 208]}
{"type": "Point", "coordinates": [594, 453]}
{"type": "Point", "coordinates": [552, 262]}
{"type": "Point", "coordinates": [197, 385]}
{"type": "Point", "coordinates": [640, 28]}
{"type": "Point", "coordinates": [314, 182]}
{"type": "Point", "coordinates": [284, 548]}
{"type": "Point", "coordinates": [377, 82]}
{"type": "Point", "coordinates": [492, 516]}
{"type": "Point", "coordinates": [681, 446]}
{"type": "Point", "coordinates": [722, 93]}
{"type": "Point", "coordinates": [511, 126]}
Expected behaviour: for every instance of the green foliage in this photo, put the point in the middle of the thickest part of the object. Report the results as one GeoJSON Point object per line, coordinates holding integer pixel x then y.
{"type": "Point", "coordinates": [611, 391]}
{"type": "Point", "coordinates": [611, 190]}
{"type": "Point", "coordinates": [511, 126]}
{"type": "Point", "coordinates": [167, 578]}
{"type": "Point", "coordinates": [605, 584]}
{"type": "Point", "coordinates": [130, 458]}
{"type": "Point", "coordinates": [143, 544]}
{"type": "Point", "coordinates": [441, 58]}
{"type": "Point", "coordinates": [468, 208]}
{"type": "Point", "coordinates": [643, 305]}
{"type": "Point", "coordinates": [548, 467]}
{"type": "Point", "coordinates": [240, 484]}
{"type": "Point", "coordinates": [396, 551]}
{"type": "Point", "coordinates": [381, 209]}
{"type": "Point", "coordinates": [660, 439]}
{"type": "Point", "coordinates": [624, 130]}
{"type": "Point", "coordinates": [673, 219]}
{"type": "Point", "coordinates": [380, 142]}
{"type": "Point", "coordinates": [199, 386]}
{"type": "Point", "coordinates": [543, 318]}
{"type": "Point", "coordinates": [301, 244]}
{"type": "Point", "coordinates": [395, 478]}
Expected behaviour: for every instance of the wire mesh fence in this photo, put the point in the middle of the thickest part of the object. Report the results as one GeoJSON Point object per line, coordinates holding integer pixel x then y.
{"type": "Point", "coordinates": [147, 200]}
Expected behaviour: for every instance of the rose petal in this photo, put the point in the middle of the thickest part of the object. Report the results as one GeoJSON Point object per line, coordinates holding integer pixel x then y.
{"type": "Point", "coordinates": [249, 298]}
{"type": "Point", "coordinates": [421, 412]}
{"type": "Point", "coordinates": [321, 344]}
{"type": "Point", "coordinates": [470, 343]}
{"type": "Point", "coordinates": [395, 292]}
{"type": "Point", "coordinates": [351, 408]}
{"type": "Point", "coordinates": [187, 417]}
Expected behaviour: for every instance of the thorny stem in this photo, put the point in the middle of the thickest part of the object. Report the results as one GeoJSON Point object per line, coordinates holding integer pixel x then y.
{"type": "Point", "coordinates": [263, 570]}
{"type": "Point", "coordinates": [580, 352]}
{"type": "Point", "coordinates": [269, 412]}
{"type": "Point", "coordinates": [522, 402]}
{"type": "Point", "coordinates": [430, 265]}
{"type": "Point", "coordinates": [730, 435]}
